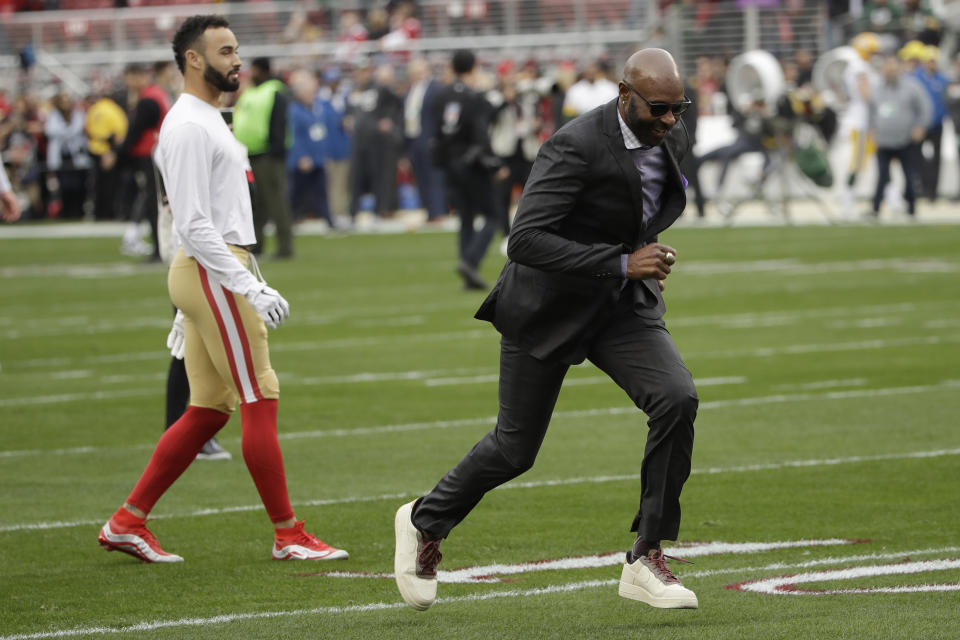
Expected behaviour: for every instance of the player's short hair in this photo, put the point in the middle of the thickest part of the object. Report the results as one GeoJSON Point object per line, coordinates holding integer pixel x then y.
{"type": "Point", "coordinates": [190, 31]}
{"type": "Point", "coordinates": [463, 61]}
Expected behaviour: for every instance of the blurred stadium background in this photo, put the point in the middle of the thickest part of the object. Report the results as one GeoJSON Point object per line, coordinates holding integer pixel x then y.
{"type": "Point", "coordinates": [81, 47]}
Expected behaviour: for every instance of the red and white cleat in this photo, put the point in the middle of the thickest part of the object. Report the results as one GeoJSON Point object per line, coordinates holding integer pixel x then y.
{"type": "Point", "coordinates": [136, 540]}
{"type": "Point", "coordinates": [296, 544]}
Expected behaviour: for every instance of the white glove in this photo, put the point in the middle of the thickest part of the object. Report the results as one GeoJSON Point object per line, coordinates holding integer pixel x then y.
{"type": "Point", "coordinates": [270, 305]}
{"type": "Point", "coordinates": [175, 339]}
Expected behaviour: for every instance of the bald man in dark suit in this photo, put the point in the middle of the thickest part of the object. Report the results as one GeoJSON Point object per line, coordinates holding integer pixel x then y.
{"type": "Point", "coordinates": [584, 281]}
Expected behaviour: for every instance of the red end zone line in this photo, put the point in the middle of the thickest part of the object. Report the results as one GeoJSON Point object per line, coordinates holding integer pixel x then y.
{"type": "Point", "coordinates": [488, 573]}
{"type": "Point", "coordinates": [787, 585]}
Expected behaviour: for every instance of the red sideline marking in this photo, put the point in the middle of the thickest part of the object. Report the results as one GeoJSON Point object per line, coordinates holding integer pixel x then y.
{"type": "Point", "coordinates": [787, 584]}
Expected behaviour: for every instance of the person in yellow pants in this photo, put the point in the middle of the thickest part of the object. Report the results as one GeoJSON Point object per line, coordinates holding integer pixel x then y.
{"type": "Point", "coordinates": [223, 308]}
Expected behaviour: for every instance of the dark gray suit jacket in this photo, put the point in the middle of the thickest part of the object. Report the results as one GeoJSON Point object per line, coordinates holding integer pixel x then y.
{"type": "Point", "coordinates": [580, 211]}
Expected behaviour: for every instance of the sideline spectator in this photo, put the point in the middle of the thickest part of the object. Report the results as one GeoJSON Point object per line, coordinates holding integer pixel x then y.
{"type": "Point", "coordinates": [751, 121]}
{"type": "Point", "coordinates": [351, 36]}
{"type": "Point", "coordinates": [420, 123]}
{"type": "Point", "coordinates": [900, 113]}
{"type": "Point", "coordinates": [463, 147]}
{"type": "Point", "coordinates": [260, 123]}
{"type": "Point", "coordinates": [592, 90]}
{"type": "Point", "coordinates": [106, 128]}
{"type": "Point", "coordinates": [405, 27]}
{"type": "Point", "coordinates": [882, 17]}
{"type": "Point", "coordinates": [22, 133]}
{"type": "Point", "coordinates": [67, 157]}
{"type": "Point", "coordinates": [860, 80]}
{"type": "Point", "coordinates": [953, 107]}
{"type": "Point", "coordinates": [920, 22]}
{"type": "Point", "coordinates": [135, 154]}
{"type": "Point", "coordinates": [935, 83]}
{"type": "Point", "coordinates": [308, 150]}
{"type": "Point", "coordinates": [514, 137]}
{"type": "Point", "coordinates": [377, 116]}
{"type": "Point", "coordinates": [690, 163]}
{"type": "Point", "coordinates": [332, 99]}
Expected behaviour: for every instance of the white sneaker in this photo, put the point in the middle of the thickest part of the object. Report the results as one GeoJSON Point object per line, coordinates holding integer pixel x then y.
{"type": "Point", "coordinates": [213, 451]}
{"type": "Point", "coordinates": [415, 562]}
{"type": "Point", "coordinates": [648, 580]}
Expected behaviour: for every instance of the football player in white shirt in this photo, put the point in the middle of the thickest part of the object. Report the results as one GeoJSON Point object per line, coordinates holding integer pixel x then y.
{"type": "Point", "coordinates": [860, 78]}
{"type": "Point", "coordinates": [224, 309]}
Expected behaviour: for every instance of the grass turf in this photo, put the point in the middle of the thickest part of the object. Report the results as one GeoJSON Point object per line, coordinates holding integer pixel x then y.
{"type": "Point", "coordinates": [826, 359]}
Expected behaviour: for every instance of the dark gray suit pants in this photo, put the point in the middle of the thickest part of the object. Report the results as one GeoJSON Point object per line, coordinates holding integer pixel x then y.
{"type": "Point", "coordinates": [641, 357]}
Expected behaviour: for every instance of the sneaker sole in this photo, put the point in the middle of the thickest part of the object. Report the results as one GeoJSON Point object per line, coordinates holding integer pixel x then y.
{"type": "Point", "coordinates": [633, 592]}
{"type": "Point", "coordinates": [295, 554]}
{"type": "Point", "coordinates": [402, 530]}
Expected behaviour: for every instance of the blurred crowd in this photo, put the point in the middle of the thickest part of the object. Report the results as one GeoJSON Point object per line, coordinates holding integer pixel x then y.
{"type": "Point", "coordinates": [356, 129]}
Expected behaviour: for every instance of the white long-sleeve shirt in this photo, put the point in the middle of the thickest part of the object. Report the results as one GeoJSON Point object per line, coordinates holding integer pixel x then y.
{"type": "Point", "coordinates": [4, 180]}
{"type": "Point", "coordinates": [204, 169]}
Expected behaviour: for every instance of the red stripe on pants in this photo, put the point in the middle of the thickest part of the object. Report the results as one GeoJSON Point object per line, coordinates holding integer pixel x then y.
{"type": "Point", "coordinates": [205, 283]}
{"type": "Point", "coordinates": [244, 342]}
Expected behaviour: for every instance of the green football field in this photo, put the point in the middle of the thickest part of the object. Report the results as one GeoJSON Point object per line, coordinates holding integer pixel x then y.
{"type": "Point", "coordinates": [827, 448]}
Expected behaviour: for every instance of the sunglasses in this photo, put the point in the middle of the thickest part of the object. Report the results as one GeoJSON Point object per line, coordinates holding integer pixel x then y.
{"type": "Point", "coordinates": [658, 109]}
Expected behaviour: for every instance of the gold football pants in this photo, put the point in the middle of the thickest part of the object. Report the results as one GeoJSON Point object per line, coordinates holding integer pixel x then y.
{"type": "Point", "coordinates": [225, 351]}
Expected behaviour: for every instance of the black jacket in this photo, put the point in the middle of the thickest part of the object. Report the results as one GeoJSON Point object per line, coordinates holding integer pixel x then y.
{"type": "Point", "coordinates": [461, 141]}
{"type": "Point", "coordinates": [580, 211]}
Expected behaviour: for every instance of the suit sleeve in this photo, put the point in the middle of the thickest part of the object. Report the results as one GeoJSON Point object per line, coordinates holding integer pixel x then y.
{"type": "Point", "coordinates": [550, 196]}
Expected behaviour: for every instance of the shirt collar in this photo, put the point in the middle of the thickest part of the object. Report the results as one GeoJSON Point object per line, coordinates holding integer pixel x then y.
{"type": "Point", "coordinates": [629, 138]}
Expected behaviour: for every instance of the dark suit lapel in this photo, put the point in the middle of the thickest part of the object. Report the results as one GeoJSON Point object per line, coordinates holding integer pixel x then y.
{"type": "Point", "coordinates": [674, 197]}
{"type": "Point", "coordinates": [614, 139]}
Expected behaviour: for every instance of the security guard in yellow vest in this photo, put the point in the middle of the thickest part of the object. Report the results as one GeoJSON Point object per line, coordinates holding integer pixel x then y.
{"type": "Point", "coordinates": [106, 127]}
{"type": "Point", "coordinates": [260, 123]}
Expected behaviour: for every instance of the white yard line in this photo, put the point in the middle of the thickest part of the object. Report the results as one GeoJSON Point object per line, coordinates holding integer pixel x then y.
{"type": "Point", "coordinates": [464, 422]}
{"type": "Point", "coordinates": [826, 347]}
{"type": "Point", "coordinates": [393, 341]}
{"type": "Point", "coordinates": [736, 320]}
{"type": "Point", "coordinates": [571, 381]}
{"type": "Point", "coordinates": [220, 620]}
{"type": "Point", "coordinates": [491, 573]}
{"type": "Point", "coordinates": [88, 396]}
{"type": "Point", "coordinates": [770, 466]}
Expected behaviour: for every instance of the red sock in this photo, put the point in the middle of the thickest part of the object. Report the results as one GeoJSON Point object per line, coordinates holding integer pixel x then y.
{"type": "Point", "coordinates": [126, 519]}
{"type": "Point", "coordinates": [177, 448]}
{"type": "Point", "coordinates": [261, 452]}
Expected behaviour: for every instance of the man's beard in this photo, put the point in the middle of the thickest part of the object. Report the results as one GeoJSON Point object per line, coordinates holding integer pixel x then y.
{"type": "Point", "coordinates": [219, 80]}
{"type": "Point", "coordinates": [640, 128]}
